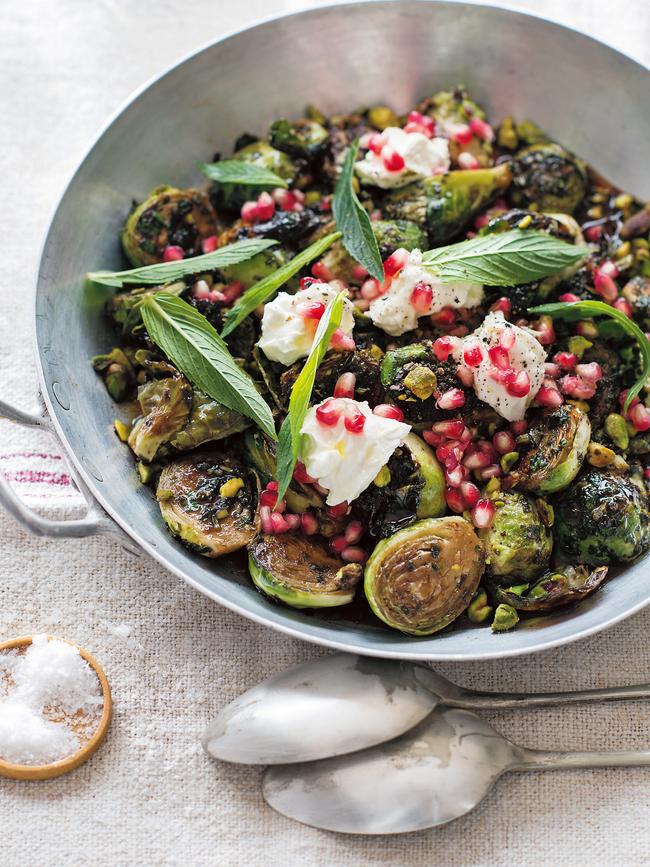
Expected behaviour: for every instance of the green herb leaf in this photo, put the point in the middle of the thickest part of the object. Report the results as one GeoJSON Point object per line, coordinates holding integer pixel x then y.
{"type": "Point", "coordinates": [353, 220]}
{"type": "Point", "coordinates": [266, 288]}
{"type": "Point", "coordinates": [575, 310]}
{"type": "Point", "coordinates": [505, 259]}
{"type": "Point", "coordinates": [240, 172]}
{"type": "Point", "coordinates": [289, 439]}
{"type": "Point", "coordinates": [168, 272]}
{"type": "Point", "coordinates": [192, 344]}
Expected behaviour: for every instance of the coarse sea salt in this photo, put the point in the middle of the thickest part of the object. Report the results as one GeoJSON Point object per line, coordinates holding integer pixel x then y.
{"type": "Point", "coordinates": [50, 702]}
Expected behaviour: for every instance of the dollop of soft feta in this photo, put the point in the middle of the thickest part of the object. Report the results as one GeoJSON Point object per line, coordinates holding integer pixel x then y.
{"type": "Point", "coordinates": [526, 353]}
{"type": "Point", "coordinates": [286, 334]}
{"type": "Point", "coordinates": [394, 311]}
{"type": "Point", "coordinates": [343, 462]}
{"type": "Point", "coordinates": [422, 157]}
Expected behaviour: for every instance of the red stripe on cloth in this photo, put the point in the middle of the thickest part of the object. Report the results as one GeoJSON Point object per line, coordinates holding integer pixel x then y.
{"type": "Point", "coordinates": [42, 477]}
{"type": "Point", "coordinates": [42, 455]}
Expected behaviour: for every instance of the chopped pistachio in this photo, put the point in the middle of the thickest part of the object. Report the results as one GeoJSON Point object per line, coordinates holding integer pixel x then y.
{"type": "Point", "coordinates": [381, 116]}
{"type": "Point", "coordinates": [479, 610]}
{"type": "Point", "coordinates": [505, 617]}
{"type": "Point", "coordinates": [507, 134]}
{"type": "Point", "coordinates": [122, 430]}
{"type": "Point", "coordinates": [624, 250]}
{"type": "Point", "coordinates": [508, 461]}
{"type": "Point", "coordinates": [382, 478]}
{"type": "Point", "coordinates": [231, 487]}
{"type": "Point", "coordinates": [616, 430]}
{"type": "Point", "coordinates": [599, 455]}
{"type": "Point", "coordinates": [580, 404]}
{"type": "Point", "coordinates": [517, 589]}
{"type": "Point", "coordinates": [641, 244]}
{"type": "Point", "coordinates": [316, 114]}
{"type": "Point", "coordinates": [421, 381]}
{"type": "Point", "coordinates": [145, 471]}
{"type": "Point", "coordinates": [493, 487]}
{"type": "Point", "coordinates": [578, 344]}
{"type": "Point", "coordinates": [588, 327]}
{"type": "Point", "coordinates": [525, 222]}
{"type": "Point", "coordinates": [623, 201]}
{"type": "Point", "coordinates": [312, 197]}
{"type": "Point", "coordinates": [222, 513]}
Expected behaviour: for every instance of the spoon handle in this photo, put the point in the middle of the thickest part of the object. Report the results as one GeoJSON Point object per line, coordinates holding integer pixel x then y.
{"type": "Point", "coordinates": [467, 698]}
{"type": "Point", "coordinates": [550, 760]}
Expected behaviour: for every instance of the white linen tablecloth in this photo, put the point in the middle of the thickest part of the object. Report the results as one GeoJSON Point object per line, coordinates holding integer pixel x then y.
{"type": "Point", "coordinates": [150, 796]}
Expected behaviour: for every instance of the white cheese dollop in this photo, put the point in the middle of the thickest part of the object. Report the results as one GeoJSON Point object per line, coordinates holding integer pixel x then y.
{"type": "Point", "coordinates": [343, 462]}
{"type": "Point", "coordinates": [286, 334]}
{"type": "Point", "coordinates": [422, 158]}
{"type": "Point", "coordinates": [395, 314]}
{"type": "Point", "coordinates": [527, 354]}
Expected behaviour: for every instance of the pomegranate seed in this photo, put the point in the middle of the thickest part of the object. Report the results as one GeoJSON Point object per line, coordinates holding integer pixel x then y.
{"type": "Point", "coordinates": [308, 523]}
{"type": "Point", "coordinates": [452, 428]}
{"type": "Point", "coordinates": [605, 286]}
{"type": "Point", "coordinates": [461, 133]}
{"type": "Point", "coordinates": [640, 417]}
{"type": "Point", "coordinates": [466, 437]}
{"type": "Point", "coordinates": [284, 199]}
{"type": "Point", "coordinates": [422, 297]}
{"type": "Point", "coordinates": [371, 289]}
{"type": "Point", "coordinates": [464, 373]}
{"type": "Point", "coordinates": [268, 498]}
{"type": "Point", "coordinates": [329, 412]}
{"type": "Point", "coordinates": [576, 387]}
{"type": "Point", "coordinates": [447, 456]}
{"type": "Point", "coordinates": [444, 346]}
{"type": "Point", "coordinates": [454, 477]}
{"type": "Point", "coordinates": [293, 521]}
{"type": "Point", "coordinates": [265, 206]}
{"type": "Point", "coordinates": [308, 282]}
{"type": "Point", "coordinates": [550, 397]}
{"type": "Point", "coordinates": [624, 306]}
{"type": "Point", "coordinates": [359, 272]}
{"type": "Point", "coordinates": [452, 399]}
{"type": "Point", "coordinates": [355, 420]}
{"type": "Point", "coordinates": [502, 304]}
{"type": "Point", "coordinates": [503, 442]}
{"type": "Point", "coordinates": [455, 500]}
{"type": "Point", "coordinates": [173, 254]}
{"type": "Point", "coordinates": [445, 318]}
{"type": "Point", "coordinates": [552, 370]}
{"type": "Point", "coordinates": [341, 341]}
{"type": "Point", "coordinates": [265, 519]}
{"type": "Point", "coordinates": [609, 268]}
{"type": "Point", "coordinates": [396, 262]}
{"type": "Point", "coordinates": [483, 514]}
{"type": "Point", "coordinates": [278, 523]}
{"type": "Point", "coordinates": [623, 397]}
{"type": "Point", "coordinates": [499, 357]}
{"type": "Point", "coordinates": [481, 221]}
{"type": "Point", "coordinates": [493, 471]}
{"type": "Point", "coordinates": [476, 460]}
{"type": "Point", "coordinates": [321, 272]}
{"type": "Point", "coordinates": [301, 475]}
{"type": "Point", "coordinates": [507, 338]}
{"type": "Point", "coordinates": [377, 141]}
{"type": "Point", "coordinates": [432, 438]}
{"type": "Point", "coordinates": [422, 120]}
{"type": "Point", "coordinates": [232, 291]}
{"type": "Point", "coordinates": [470, 493]}
{"type": "Point", "coordinates": [569, 298]}
{"type": "Point", "coordinates": [311, 309]}
{"type": "Point", "coordinates": [345, 385]}
{"type": "Point", "coordinates": [248, 212]}
{"type": "Point", "coordinates": [202, 292]}
{"type": "Point", "coordinates": [487, 448]}
{"type": "Point", "coordinates": [299, 196]}
{"type": "Point", "coordinates": [416, 127]}
{"type": "Point", "coordinates": [209, 244]}
{"type": "Point", "coordinates": [481, 128]}
{"type": "Point", "coordinates": [388, 410]}
{"type": "Point", "coordinates": [272, 485]}
{"type": "Point", "coordinates": [473, 353]}
{"type": "Point", "coordinates": [353, 532]}
{"type": "Point", "coordinates": [544, 331]}
{"type": "Point", "coordinates": [520, 385]}
{"type": "Point", "coordinates": [566, 360]}
{"type": "Point", "coordinates": [592, 372]}
{"type": "Point", "coordinates": [519, 427]}
{"type": "Point", "coordinates": [468, 161]}
{"type": "Point", "coordinates": [593, 233]}
{"type": "Point", "coordinates": [338, 543]}
{"type": "Point", "coordinates": [393, 161]}
{"type": "Point", "coordinates": [338, 511]}
{"type": "Point", "coordinates": [354, 554]}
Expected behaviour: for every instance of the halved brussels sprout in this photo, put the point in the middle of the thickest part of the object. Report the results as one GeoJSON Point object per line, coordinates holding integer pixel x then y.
{"type": "Point", "coordinates": [411, 486]}
{"type": "Point", "coordinates": [301, 571]}
{"type": "Point", "coordinates": [233, 196]}
{"type": "Point", "coordinates": [208, 421]}
{"type": "Point", "coordinates": [561, 226]}
{"type": "Point", "coordinates": [518, 543]}
{"type": "Point", "coordinates": [603, 518]}
{"type": "Point", "coordinates": [552, 450]}
{"type": "Point", "coordinates": [124, 307]}
{"type": "Point", "coordinates": [209, 503]}
{"type": "Point", "coordinates": [303, 138]}
{"type": "Point", "coordinates": [423, 577]}
{"type": "Point", "coordinates": [444, 206]}
{"type": "Point", "coordinates": [363, 363]}
{"type": "Point", "coordinates": [555, 589]}
{"type": "Point", "coordinates": [168, 217]}
{"type": "Point", "coordinates": [117, 372]}
{"type": "Point", "coordinates": [549, 177]}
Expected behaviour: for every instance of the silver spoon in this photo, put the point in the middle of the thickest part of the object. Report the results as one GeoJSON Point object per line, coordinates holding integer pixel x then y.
{"type": "Point", "coordinates": [435, 773]}
{"type": "Point", "coordinates": [342, 703]}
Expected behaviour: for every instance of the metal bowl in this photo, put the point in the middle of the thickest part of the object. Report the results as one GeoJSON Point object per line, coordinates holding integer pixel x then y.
{"type": "Point", "coordinates": [585, 94]}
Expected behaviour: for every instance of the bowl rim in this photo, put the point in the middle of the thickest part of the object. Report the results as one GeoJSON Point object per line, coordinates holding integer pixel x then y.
{"type": "Point", "coordinates": [287, 628]}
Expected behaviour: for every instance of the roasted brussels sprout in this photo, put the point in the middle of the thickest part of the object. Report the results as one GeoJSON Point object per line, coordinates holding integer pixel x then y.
{"type": "Point", "coordinates": [444, 206]}
{"type": "Point", "coordinates": [299, 138]}
{"type": "Point", "coordinates": [301, 571]}
{"type": "Point", "coordinates": [232, 196]}
{"type": "Point", "coordinates": [208, 421]}
{"type": "Point", "coordinates": [124, 307]}
{"type": "Point", "coordinates": [555, 589]}
{"type": "Point", "coordinates": [423, 577]}
{"type": "Point", "coordinates": [637, 292]}
{"type": "Point", "coordinates": [288, 227]}
{"type": "Point", "coordinates": [209, 503]}
{"type": "Point", "coordinates": [549, 177]}
{"type": "Point", "coordinates": [518, 544]}
{"type": "Point", "coordinates": [410, 486]}
{"type": "Point", "coordinates": [168, 217]}
{"type": "Point", "coordinates": [603, 518]}
{"type": "Point", "coordinates": [450, 108]}
{"type": "Point", "coordinates": [363, 363]}
{"type": "Point", "coordinates": [552, 450]}
{"type": "Point", "coordinates": [117, 372]}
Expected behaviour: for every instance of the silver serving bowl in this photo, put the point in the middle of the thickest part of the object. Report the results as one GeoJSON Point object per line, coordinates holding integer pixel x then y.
{"type": "Point", "coordinates": [588, 96]}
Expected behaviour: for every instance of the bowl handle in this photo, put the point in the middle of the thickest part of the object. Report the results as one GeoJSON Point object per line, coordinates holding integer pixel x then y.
{"type": "Point", "coordinates": [93, 523]}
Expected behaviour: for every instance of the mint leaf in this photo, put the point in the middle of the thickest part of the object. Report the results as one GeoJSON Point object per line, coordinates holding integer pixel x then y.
{"type": "Point", "coordinates": [353, 220]}
{"type": "Point", "coordinates": [192, 344]}
{"type": "Point", "coordinates": [505, 259]}
{"type": "Point", "coordinates": [169, 272]}
{"type": "Point", "coordinates": [266, 288]}
{"type": "Point", "coordinates": [240, 172]}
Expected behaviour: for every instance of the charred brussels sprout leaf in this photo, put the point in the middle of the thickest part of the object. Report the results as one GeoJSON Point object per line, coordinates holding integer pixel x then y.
{"type": "Point", "coordinates": [603, 518]}
{"type": "Point", "coordinates": [208, 421]}
{"type": "Point", "coordinates": [288, 227]}
{"type": "Point", "coordinates": [301, 138]}
{"type": "Point", "coordinates": [410, 486]}
{"type": "Point", "coordinates": [552, 450]}
{"type": "Point", "coordinates": [168, 217]}
{"type": "Point", "coordinates": [209, 503]}
{"type": "Point", "coordinates": [518, 544]}
{"type": "Point", "coordinates": [364, 363]}
{"type": "Point", "coordinates": [555, 589]}
{"type": "Point", "coordinates": [423, 577]}
{"type": "Point", "coordinates": [301, 571]}
{"type": "Point", "coordinates": [259, 153]}
{"type": "Point", "coordinates": [549, 177]}
{"type": "Point", "coordinates": [446, 205]}
{"type": "Point", "coordinates": [259, 453]}
{"type": "Point", "coordinates": [124, 307]}
{"type": "Point", "coordinates": [165, 405]}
